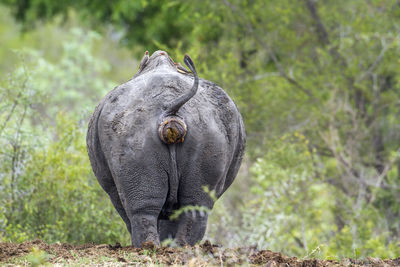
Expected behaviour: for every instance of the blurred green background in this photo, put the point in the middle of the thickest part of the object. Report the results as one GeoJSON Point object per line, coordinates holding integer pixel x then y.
{"type": "Point", "coordinates": [317, 83]}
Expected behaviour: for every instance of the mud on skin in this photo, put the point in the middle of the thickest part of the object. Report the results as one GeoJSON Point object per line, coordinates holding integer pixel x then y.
{"type": "Point", "coordinates": [156, 140]}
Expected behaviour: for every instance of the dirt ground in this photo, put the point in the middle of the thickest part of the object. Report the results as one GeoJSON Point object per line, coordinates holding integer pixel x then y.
{"type": "Point", "coordinates": [37, 252]}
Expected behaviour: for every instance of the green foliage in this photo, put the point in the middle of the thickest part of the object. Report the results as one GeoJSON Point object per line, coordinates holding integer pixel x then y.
{"type": "Point", "coordinates": [293, 209]}
{"type": "Point", "coordinates": [74, 82]}
{"type": "Point", "coordinates": [63, 169]}
{"type": "Point", "coordinates": [37, 257]}
{"type": "Point", "coordinates": [286, 212]}
{"type": "Point", "coordinates": [48, 188]}
{"type": "Point", "coordinates": [286, 185]}
{"type": "Point", "coordinates": [317, 85]}
{"type": "Point", "coordinates": [141, 22]}
{"type": "Point", "coordinates": [195, 208]}
{"type": "Point", "coordinates": [331, 76]}
{"type": "Point", "coordinates": [189, 209]}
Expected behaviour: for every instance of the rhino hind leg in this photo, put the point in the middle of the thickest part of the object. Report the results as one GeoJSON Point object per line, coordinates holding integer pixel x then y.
{"type": "Point", "coordinates": [167, 229]}
{"type": "Point", "coordinates": [139, 179]}
{"type": "Point", "coordinates": [106, 181]}
{"type": "Point", "coordinates": [191, 228]}
{"type": "Point", "coordinates": [144, 230]}
{"type": "Point", "coordinates": [101, 168]}
{"type": "Point", "coordinates": [140, 221]}
{"type": "Point", "coordinates": [116, 201]}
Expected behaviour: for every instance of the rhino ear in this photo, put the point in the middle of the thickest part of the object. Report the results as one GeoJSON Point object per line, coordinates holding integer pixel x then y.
{"type": "Point", "coordinates": [189, 62]}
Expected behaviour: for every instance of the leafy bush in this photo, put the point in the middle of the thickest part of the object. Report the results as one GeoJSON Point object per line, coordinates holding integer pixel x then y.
{"type": "Point", "coordinates": [60, 198]}
{"type": "Point", "coordinates": [293, 209]}
{"type": "Point", "coordinates": [317, 85]}
{"type": "Point", "coordinates": [48, 188]}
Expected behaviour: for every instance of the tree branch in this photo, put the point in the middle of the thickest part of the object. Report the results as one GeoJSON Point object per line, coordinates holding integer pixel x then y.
{"type": "Point", "coordinates": [8, 116]}
{"type": "Point", "coordinates": [284, 74]}
{"type": "Point", "coordinates": [321, 30]}
{"type": "Point", "coordinates": [376, 62]}
{"type": "Point", "coordinates": [261, 42]}
{"type": "Point", "coordinates": [322, 33]}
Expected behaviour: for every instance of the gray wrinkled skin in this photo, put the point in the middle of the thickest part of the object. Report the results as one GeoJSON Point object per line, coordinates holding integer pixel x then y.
{"type": "Point", "coordinates": [134, 166]}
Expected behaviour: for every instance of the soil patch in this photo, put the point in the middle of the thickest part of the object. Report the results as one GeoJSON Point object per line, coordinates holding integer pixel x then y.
{"type": "Point", "coordinates": [206, 254]}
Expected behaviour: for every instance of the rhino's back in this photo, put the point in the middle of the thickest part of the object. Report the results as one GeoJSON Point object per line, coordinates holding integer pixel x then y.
{"type": "Point", "coordinates": [136, 107]}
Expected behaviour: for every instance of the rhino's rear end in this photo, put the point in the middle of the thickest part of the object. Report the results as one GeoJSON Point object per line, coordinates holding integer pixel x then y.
{"type": "Point", "coordinates": [156, 141]}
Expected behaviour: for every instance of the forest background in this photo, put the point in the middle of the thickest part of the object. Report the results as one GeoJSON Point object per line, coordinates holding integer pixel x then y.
{"type": "Point", "coordinates": [317, 83]}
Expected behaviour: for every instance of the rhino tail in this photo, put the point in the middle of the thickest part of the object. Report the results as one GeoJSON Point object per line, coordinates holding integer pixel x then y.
{"type": "Point", "coordinates": [172, 129]}
{"type": "Point", "coordinates": [173, 108]}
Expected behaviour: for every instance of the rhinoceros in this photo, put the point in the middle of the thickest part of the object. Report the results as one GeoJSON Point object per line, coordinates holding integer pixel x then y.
{"type": "Point", "coordinates": [157, 140]}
